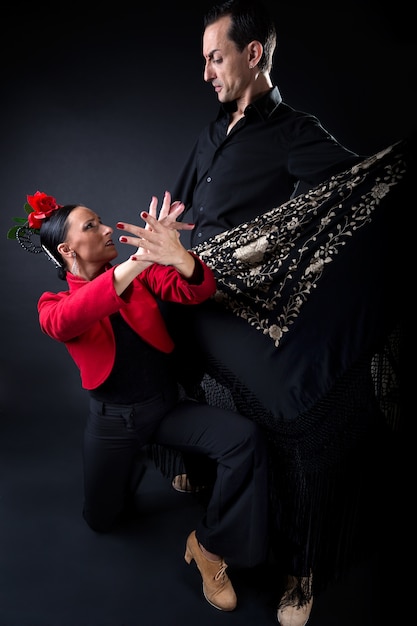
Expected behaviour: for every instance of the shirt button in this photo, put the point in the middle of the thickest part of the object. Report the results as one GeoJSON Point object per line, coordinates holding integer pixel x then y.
{"type": "Point", "coordinates": [208, 179]}
{"type": "Point", "coordinates": [201, 209]}
{"type": "Point", "coordinates": [200, 235]}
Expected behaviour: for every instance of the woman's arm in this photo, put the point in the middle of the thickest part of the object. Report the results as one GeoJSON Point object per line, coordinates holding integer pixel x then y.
{"type": "Point", "coordinates": [157, 242]}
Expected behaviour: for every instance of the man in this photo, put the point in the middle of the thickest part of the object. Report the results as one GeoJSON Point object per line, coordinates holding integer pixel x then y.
{"type": "Point", "coordinates": [258, 149]}
{"type": "Point", "coordinates": [252, 157]}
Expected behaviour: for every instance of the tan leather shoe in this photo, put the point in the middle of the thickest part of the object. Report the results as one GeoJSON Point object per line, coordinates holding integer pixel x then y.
{"type": "Point", "coordinates": [217, 588]}
{"type": "Point", "coordinates": [290, 613]}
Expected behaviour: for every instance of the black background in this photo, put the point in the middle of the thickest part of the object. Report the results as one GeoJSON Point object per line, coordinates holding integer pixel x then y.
{"type": "Point", "coordinates": [100, 106]}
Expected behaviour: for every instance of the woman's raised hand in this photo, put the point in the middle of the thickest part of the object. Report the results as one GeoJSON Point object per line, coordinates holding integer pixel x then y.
{"type": "Point", "coordinates": [158, 241]}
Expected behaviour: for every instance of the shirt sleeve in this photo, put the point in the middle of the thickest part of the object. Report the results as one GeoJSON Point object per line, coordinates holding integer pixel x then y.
{"type": "Point", "coordinates": [315, 155]}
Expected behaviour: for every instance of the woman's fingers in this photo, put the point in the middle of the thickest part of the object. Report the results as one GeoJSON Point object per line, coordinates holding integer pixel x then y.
{"type": "Point", "coordinates": [167, 217]}
{"type": "Point", "coordinates": [136, 230]}
{"type": "Point", "coordinates": [154, 232]}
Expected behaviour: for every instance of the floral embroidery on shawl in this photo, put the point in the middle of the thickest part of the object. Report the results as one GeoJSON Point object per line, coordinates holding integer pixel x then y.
{"type": "Point", "coordinates": [266, 269]}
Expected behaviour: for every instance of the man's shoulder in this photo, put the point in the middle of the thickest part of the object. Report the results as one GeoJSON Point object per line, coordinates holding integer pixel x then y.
{"type": "Point", "coordinates": [284, 110]}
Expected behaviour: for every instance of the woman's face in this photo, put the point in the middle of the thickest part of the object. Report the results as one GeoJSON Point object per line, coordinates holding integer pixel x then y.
{"type": "Point", "coordinates": [90, 240]}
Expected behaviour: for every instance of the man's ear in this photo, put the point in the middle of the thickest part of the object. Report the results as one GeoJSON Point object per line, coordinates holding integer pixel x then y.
{"type": "Point", "coordinates": [255, 49]}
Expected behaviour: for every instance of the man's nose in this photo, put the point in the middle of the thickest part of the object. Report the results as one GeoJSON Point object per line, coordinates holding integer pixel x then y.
{"type": "Point", "coordinates": [209, 74]}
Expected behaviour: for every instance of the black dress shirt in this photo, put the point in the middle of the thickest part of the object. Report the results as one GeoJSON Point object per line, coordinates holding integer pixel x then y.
{"type": "Point", "coordinates": [231, 178]}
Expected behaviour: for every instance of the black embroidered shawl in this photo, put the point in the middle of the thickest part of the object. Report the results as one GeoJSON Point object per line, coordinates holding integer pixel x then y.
{"type": "Point", "coordinates": [304, 336]}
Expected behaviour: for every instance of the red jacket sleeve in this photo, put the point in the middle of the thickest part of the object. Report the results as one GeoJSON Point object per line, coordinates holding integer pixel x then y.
{"type": "Point", "coordinates": [68, 314]}
{"type": "Point", "coordinates": [168, 284]}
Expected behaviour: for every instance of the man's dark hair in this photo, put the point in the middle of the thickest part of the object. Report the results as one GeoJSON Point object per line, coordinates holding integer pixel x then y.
{"type": "Point", "coordinates": [250, 21]}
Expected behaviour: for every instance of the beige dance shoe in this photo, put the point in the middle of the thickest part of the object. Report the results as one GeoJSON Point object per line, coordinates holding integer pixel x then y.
{"type": "Point", "coordinates": [290, 613]}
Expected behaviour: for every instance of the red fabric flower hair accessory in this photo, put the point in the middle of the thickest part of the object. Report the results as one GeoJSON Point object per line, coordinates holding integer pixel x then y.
{"type": "Point", "coordinates": [38, 207]}
{"type": "Point", "coordinates": [42, 206]}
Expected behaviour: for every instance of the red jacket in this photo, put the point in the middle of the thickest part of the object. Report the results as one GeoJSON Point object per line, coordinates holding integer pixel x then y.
{"type": "Point", "coordinates": [80, 317]}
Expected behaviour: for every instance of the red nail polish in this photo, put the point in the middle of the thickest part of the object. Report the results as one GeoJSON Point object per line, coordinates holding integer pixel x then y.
{"type": "Point", "coordinates": [120, 225]}
{"type": "Point", "coordinates": [134, 258]}
{"type": "Point", "coordinates": [144, 214]}
{"type": "Point", "coordinates": [123, 239]}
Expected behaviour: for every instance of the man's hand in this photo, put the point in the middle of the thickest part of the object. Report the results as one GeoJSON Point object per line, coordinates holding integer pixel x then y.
{"type": "Point", "coordinates": [169, 213]}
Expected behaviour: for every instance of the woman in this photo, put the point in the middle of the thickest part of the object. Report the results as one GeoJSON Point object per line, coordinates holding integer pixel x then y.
{"type": "Point", "coordinates": [110, 322]}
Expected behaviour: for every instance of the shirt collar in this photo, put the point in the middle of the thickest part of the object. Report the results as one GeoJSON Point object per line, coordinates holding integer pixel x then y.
{"type": "Point", "coordinates": [263, 106]}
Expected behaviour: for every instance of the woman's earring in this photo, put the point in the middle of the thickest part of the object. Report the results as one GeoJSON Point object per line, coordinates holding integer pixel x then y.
{"type": "Point", "coordinates": [74, 268]}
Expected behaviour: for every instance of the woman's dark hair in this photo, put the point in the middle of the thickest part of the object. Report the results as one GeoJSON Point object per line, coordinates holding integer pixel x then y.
{"type": "Point", "coordinates": [250, 21]}
{"type": "Point", "coordinates": [53, 232]}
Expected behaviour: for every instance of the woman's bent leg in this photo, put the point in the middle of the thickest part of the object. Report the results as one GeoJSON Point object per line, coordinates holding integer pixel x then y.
{"type": "Point", "coordinates": [108, 458]}
{"type": "Point", "coordinates": [114, 437]}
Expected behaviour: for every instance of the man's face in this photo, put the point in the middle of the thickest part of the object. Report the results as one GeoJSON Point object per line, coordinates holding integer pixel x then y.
{"type": "Point", "coordinates": [226, 68]}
